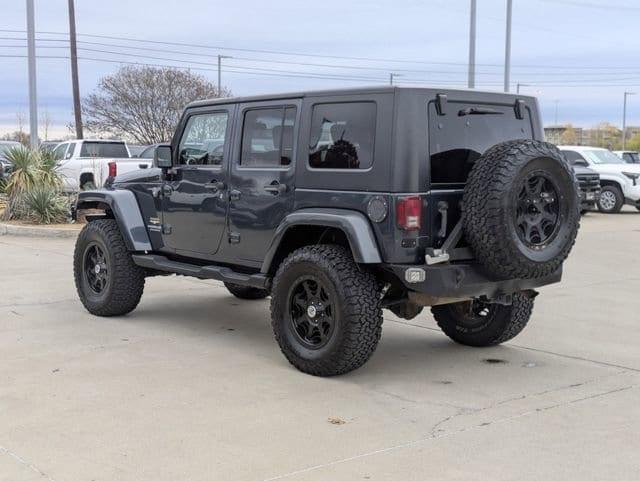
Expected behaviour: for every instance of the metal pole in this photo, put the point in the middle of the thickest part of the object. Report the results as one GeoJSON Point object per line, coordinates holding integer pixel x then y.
{"type": "Point", "coordinates": [219, 75]}
{"type": "Point", "coordinates": [33, 101]}
{"type": "Point", "coordinates": [390, 79]}
{"type": "Point", "coordinates": [518, 88]}
{"type": "Point", "coordinates": [472, 46]}
{"type": "Point", "coordinates": [507, 48]}
{"type": "Point", "coordinates": [624, 119]}
{"type": "Point", "coordinates": [77, 109]}
{"type": "Point", "coordinates": [220, 57]}
{"type": "Point", "coordinates": [556, 114]}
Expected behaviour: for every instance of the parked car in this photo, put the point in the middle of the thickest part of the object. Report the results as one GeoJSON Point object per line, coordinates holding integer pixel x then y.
{"type": "Point", "coordinates": [589, 183]}
{"type": "Point", "coordinates": [338, 204]}
{"type": "Point", "coordinates": [136, 150]}
{"type": "Point", "coordinates": [619, 180]}
{"type": "Point", "coordinates": [49, 145]}
{"type": "Point", "coordinates": [6, 167]}
{"type": "Point", "coordinates": [88, 164]}
{"type": "Point", "coordinates": [629, 156]}
{"type": "Point", "coordinates": [148, 151]}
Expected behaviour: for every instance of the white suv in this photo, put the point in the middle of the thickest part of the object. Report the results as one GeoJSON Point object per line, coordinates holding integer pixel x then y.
{"type": "Point", "coordinates": [620, 181]}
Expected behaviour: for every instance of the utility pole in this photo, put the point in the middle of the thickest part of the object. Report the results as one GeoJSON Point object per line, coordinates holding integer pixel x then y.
{"type": "Point", "coordinates": [33, 100]}
{"type": "Point", "coordinates": [392, 76]}
{"type": "Point", "coordinates": [555, 122]}
{"type": "Point", "coordinates": [472, 46]}
{"type": "Point", "coordinates": [220, 57]}
{"type": "Point", "coordinates": [77, 109]}
{"type": "Point", "coordinates": [507, 48]}
{"type": "Point", "coordinates": [624, 119]}
{"type": "Point", "coordinates": [518, 85]}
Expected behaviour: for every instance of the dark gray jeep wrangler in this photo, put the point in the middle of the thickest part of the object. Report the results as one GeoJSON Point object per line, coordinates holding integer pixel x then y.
{"type": "Point", "coordinates": [338, 204]}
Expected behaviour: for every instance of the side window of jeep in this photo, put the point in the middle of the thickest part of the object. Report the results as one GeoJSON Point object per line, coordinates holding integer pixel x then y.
{"type": "Point", "coordinates": [267, 137]}
{"type": "Point", "coordinates": [203, 139]}
{"type": "Point", "coordinates": [342, 135]}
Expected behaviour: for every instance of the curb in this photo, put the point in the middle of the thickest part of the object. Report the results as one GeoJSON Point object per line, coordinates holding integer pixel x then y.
{"type": "Point", "coordinates": [37, 231]}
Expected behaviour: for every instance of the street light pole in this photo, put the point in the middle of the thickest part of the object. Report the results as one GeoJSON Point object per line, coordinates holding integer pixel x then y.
{"type": "Point", "coordinates": [33, 101]}
{"type": "Point", "coordinates": [472, 46]}
{"type": "Point", "coordinates": [77, 109]}
{"type": "Point", "coordinates": [507, 48]}
{"type": "Point", "coordinates": [624, 119]}
{"type": "Point", "coordinates": [220, 57]}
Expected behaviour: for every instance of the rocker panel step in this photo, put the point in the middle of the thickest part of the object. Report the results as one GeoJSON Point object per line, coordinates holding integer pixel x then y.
{"type": "Point", "coordinates": [218, 273]}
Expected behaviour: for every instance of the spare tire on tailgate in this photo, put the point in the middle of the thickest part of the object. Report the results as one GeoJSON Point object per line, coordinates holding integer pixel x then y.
{"type": "Point", "coordinates": [520, 209]}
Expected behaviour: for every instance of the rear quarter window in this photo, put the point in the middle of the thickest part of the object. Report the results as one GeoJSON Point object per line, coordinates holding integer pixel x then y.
{"type": "Point", "coordinates": [459, 138]}
{"type": "Point", "coordinates": [342, 135]}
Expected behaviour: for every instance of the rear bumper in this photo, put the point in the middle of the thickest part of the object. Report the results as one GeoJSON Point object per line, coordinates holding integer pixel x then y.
{"type": "Point", "coordinates": [464, 281]}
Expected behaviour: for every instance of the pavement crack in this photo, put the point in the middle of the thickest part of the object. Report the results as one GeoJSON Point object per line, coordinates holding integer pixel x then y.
{"type": "Point", "coordinates": [433, 436]}
{"type": "Point", "coordinates": [533, 349]}
{"type": "Point", "coordinates": [25, 463]}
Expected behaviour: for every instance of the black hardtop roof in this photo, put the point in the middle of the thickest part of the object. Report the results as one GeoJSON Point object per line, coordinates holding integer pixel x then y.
{"type": "Point", "coordinates": [475, 95]}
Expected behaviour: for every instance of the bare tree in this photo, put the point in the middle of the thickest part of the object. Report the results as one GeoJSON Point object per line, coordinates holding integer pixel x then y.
{"type": "Point", "coordinates": [144, 103]}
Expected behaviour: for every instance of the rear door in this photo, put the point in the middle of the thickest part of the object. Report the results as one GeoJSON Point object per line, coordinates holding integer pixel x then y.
{"type": "Point", "coordinates": [261, 184]}
{"type": "Point", "coordinates": [194, 204]}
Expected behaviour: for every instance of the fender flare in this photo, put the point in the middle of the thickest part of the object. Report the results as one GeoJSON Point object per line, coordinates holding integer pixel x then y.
{"type": "Point", "coordinates": [354, 224]}
{"type": "Point", "coordinates": [124, 207]}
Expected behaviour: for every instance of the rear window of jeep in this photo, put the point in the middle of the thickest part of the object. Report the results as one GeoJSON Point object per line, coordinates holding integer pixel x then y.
{"type": "Point", "coordinates": [342, 135]}
{"type": "Point", "coordinates": [457, 139]}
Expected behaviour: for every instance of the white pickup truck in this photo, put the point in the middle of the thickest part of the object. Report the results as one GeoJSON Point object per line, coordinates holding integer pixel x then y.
{"type": "Point", "coordinates": [86, 164]}
{"type": "Point", "coordinates": [620, 181]}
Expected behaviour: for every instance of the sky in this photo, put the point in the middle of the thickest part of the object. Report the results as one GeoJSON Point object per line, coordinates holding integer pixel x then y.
{"type": "Point", "coordinates": [577, 56]}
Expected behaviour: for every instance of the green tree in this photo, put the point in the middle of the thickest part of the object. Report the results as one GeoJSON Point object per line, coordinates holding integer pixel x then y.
{"type": "Point", "coordinates": [634, 143]}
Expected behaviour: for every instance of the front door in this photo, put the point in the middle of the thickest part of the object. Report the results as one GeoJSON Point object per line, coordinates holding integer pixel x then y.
{"type": "Point", "coordinates": [194, 204]}
{"type": "Point", "coordinates": [261, 181]}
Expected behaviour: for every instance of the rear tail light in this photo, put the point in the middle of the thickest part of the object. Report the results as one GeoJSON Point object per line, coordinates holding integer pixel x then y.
{"type": "Point", "coordinates": [409, 213]}
{"type": "Point", "coordinates": [113, 169]}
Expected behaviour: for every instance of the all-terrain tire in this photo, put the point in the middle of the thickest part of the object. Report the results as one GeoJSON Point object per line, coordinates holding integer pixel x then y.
{"type": "Point", "coordinates": [124, 282]}
{"type": "Point", "coordinates": [246, 292]}
{"type": "Point", "coordinates": [611, 208]}
{"type": "Point", "coordinates": [463, 323]}
{"type": "Point", "coordinates": [493, 212]}
{"type": "Point", "coordinates": [356, 310]}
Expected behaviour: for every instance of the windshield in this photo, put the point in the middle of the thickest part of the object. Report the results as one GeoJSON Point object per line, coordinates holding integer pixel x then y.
{"type": "Point", "coordinates": [602, 157]}
{"type": "Point", "coordinates": [103, 149]}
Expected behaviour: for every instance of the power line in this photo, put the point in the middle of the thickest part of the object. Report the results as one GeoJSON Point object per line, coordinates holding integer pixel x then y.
{"type": "Point", "coordinates": [351, 67]}
{"type": "Point", "coordinates": [300, 54]}
{"type": "Point", "coordinates": [303, 75]}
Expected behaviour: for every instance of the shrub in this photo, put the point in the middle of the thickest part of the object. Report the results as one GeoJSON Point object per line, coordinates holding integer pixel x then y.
{"type": "Point", "coordinates": [44, 204]}
{"type": "Point", "coordinates": [32, 169]}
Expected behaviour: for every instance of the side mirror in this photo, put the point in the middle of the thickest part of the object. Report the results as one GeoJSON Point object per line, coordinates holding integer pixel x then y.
{"type": "Point", "coordinates": [162, 157]}
{"type": "Point", "coordinates": [582, 163]}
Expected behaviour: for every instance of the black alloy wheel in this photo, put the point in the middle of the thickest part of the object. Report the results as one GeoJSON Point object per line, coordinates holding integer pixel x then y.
{"type": "Point", "coordinates": [538, 211]}
{"type": "Point", "coordinates": [311, 312]}
{"type": "Point", "coordinates": [95, 268]}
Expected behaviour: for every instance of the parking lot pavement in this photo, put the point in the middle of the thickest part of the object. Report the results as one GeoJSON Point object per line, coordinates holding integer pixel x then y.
{"type": "Point", "coordinates": [191, 386]}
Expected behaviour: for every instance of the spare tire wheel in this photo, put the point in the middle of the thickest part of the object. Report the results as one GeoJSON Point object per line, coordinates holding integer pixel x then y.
{"type": "Point", "coordinates": [521, 209]}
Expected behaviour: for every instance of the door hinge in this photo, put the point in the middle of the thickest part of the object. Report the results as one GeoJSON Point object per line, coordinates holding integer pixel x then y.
{"type": "Point", "coordinates": [234, 238]}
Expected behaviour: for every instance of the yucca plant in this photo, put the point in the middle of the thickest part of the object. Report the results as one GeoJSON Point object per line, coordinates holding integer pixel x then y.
{"type": "Point", "coordinates": [48, 165]}
{"type": "Point", "coordinates": [26, 175]}
{"type": "Point", "coordinates": [43, 204]}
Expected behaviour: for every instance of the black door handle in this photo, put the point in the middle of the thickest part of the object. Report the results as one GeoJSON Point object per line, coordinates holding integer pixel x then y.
{"type": "Point", "coordinates": [276, 188]}
{"type": "Point", "coordinates": [215, 185]}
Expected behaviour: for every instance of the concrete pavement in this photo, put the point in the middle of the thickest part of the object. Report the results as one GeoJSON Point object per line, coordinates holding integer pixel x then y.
{"type": "Point", "coordinates": [192, 386]}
